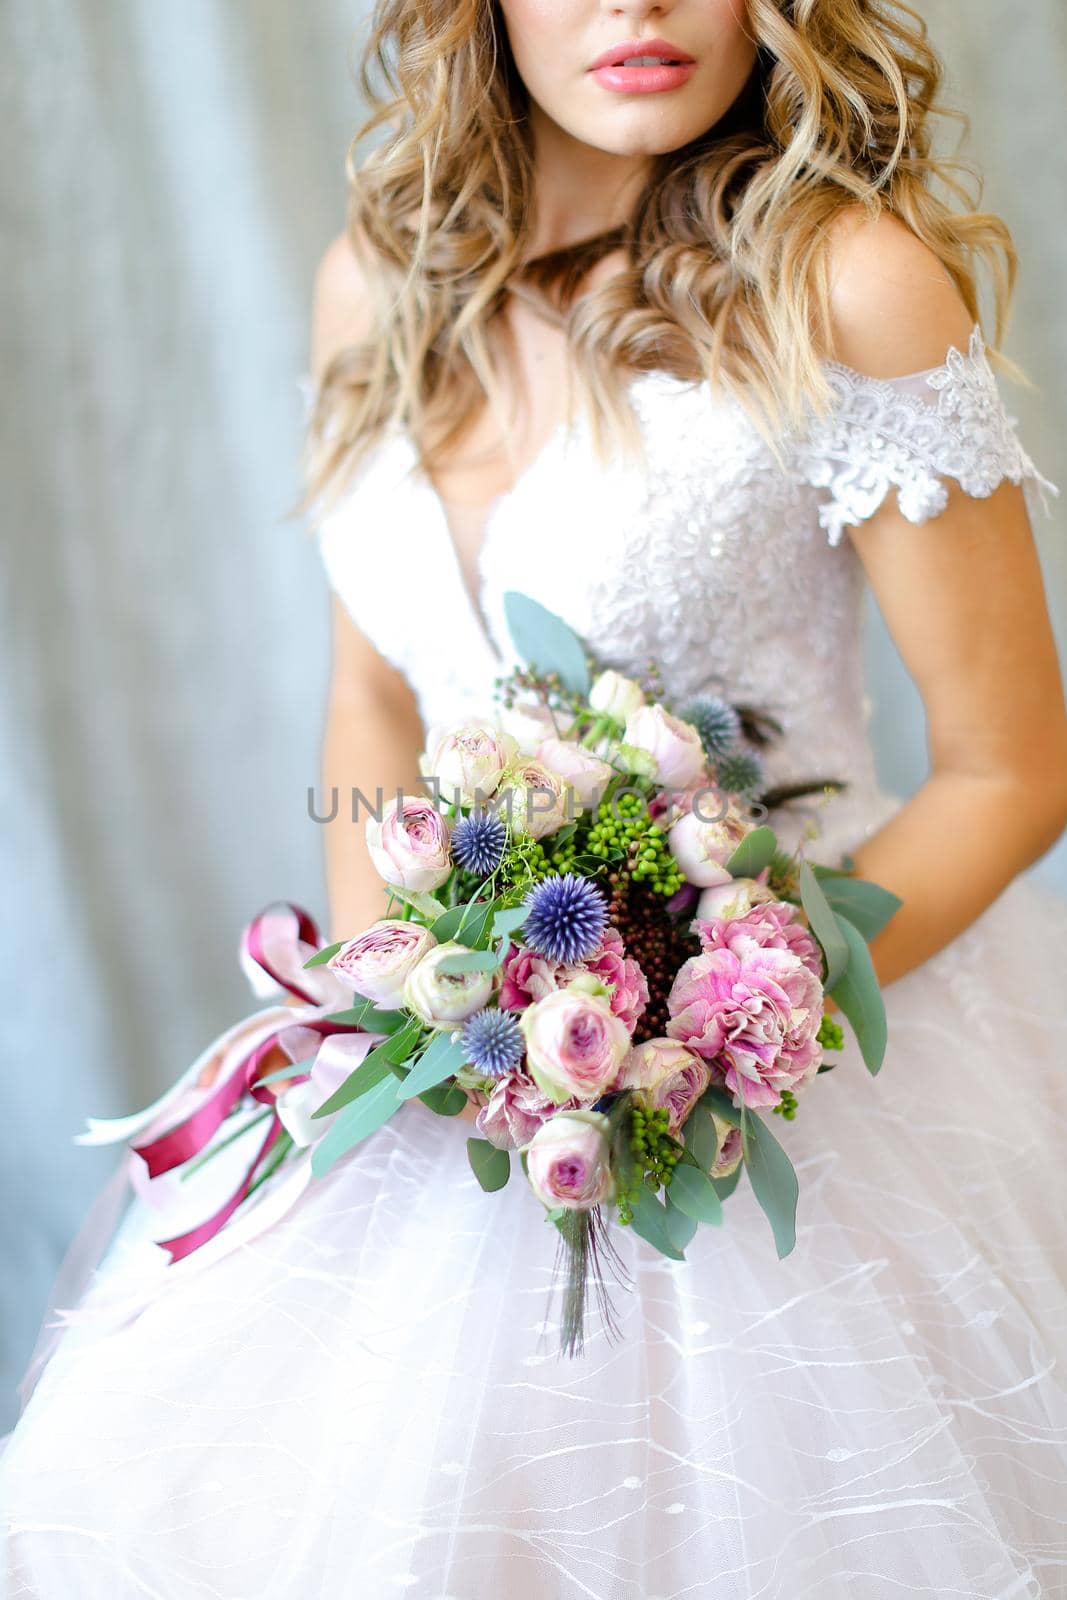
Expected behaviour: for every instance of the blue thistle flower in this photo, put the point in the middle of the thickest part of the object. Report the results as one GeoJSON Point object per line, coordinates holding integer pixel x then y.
{"type": "Point", "coordinates": [740, 773]}
{"type": "Point", "coordinates": [565, 917]}
{"type": "Point", "coordinates": [492, 1041]}
{"type": "Point", "coordinates": [717, 723]}
{"type": "Point", "coordinates": [478, 842]}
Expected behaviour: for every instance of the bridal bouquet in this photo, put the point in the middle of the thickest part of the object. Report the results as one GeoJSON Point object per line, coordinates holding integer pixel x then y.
{"type": "Point", "coordinates": [591, 933]}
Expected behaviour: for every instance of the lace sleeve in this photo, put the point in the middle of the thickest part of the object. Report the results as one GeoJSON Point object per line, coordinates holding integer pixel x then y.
{"type": "Point", "coordinates": [910, 434]}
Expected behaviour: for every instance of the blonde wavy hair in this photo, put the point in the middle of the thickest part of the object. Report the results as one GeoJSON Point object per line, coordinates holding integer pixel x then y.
{"type": "Point", "coordinates": [726, 251]}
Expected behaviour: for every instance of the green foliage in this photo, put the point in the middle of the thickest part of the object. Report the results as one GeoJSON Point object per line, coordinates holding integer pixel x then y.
{"type": "Point", "coordinates": [824, 925]}
{"type": "Point", "coordinates": [756, 851]}
{"type": "Point", "coordinates": [773, 1180]}
{"type": "Point", "coordinates": [442, 1058]}
{"type": "Point", "coordinates": [860, 997]}
{"type": "Point", "coordinates": [543, 640]}
{"type": "Point", "coordinates": [491, 1167]}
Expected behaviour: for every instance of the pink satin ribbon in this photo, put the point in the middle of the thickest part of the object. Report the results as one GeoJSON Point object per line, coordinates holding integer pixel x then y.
{"type": "Point", "coordinates": [280, 949]}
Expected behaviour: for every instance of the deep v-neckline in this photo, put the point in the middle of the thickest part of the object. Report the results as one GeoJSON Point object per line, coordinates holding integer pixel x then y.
{"type": "Point", "coordinates": [495, 513]}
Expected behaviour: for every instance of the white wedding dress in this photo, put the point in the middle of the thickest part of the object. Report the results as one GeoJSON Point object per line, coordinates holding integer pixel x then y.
{"type": "Point", "coordinates": [357, 1392]}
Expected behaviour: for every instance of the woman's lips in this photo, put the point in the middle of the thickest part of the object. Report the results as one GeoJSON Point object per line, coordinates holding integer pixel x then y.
{"type": "Point", "coordinates": [644, 80]}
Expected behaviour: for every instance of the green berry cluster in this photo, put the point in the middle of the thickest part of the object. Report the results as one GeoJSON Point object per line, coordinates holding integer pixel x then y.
{"type": "Point", "coordinates": [656, 1154]}
{"type": "Point", "coordinates": [831, 1035]}
{"type": "Point", "coordinates": [787, 1106]}
{"type": "Point", "coordinates": [525, 863]}
{"type": "Point", "coordinates": [624, 826]}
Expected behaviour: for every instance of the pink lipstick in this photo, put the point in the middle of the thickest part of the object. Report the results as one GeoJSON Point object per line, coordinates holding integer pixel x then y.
{"type": "Point", "coordinates": [643, 66]}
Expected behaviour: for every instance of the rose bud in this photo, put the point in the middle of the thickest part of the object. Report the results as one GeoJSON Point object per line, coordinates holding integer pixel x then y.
{"type": "Point", "coordinates": [568, 1161]}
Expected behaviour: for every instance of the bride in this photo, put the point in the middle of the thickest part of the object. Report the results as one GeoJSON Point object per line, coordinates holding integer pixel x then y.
{"type": "Point", "coordinates": [714, 221]}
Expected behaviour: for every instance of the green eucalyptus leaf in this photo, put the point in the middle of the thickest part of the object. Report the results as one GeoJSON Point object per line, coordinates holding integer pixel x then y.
{"type": "Point", "coordinates": [773, 1180]}
{"type": "Point", "coordinates": [469, 961]}
{"type": "Point", "coordinates": [505, 922]}
{"type": "Point", "coordinates": [442, 1058]}
{"type": "Point", "coordinates": [721, 1103]}
{"type": "Point", "coordinates": [692, 1191]}
{"type": "Point", "coordinates": [823, 925]}
{"type": "Point", "coordinates": [724, 1187]}
{"type": "Point", "coordinates": [447, 1099]}
{"type": "Point", "coordinates": [544, 641]}
{"type": "Point", "coordinates": [680, 1226]}
{"type": "Point", "coordinates": [860, 997]}
{"type": "Point", "coordinates": [427, 905]}
{"type": "Point", "coordinates": [701, 1137]}
{"type": "Point", "coordinates": [755, 852]}
{"type": "Point", "coordinates": [354, 1124]}
{"type": "Point", "coordinates": [476, 927]}
{"type": "Point", "coordinates": [376, 1065]}
{"type": "Point", "coordinates": [367, 1016]}
{"type": "Point", "coordinates": [322, 956]}
{"type": "Point", "coordinates": [650, 1221]}
{"type": "Point", "coordinates": [491, 1166]}
{"type": "Point", "coordinates": [866, 905]}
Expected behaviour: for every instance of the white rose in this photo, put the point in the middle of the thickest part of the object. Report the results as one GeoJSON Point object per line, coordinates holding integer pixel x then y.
{"type": "Point", "coordinates": [675, 746]}
{"type": "Point", "coordinates": [615, 696]}
{"type": "Point", "coordinates": [733, 899]}
{"type": "Point", "coordinates": [528, 725]}
{"type": "Point", "coordinates": [540, 800]}
{"type": "Point", "coordinates": [579, 766]}
{"type": "Point", "coordinates": [469, 759]}
{"type": "Point", "coordinates": [702, 849]}
{"type": "Point", "coordinates": [445, 999]}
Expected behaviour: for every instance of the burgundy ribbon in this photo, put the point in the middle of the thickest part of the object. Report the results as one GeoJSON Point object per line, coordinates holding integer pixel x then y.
{"type": "Point", "coordinates": [187, 1139]}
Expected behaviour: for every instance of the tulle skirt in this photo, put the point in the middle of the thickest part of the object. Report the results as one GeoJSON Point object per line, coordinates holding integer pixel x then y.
{"type": "Point", "coordinates": [364, 1397]}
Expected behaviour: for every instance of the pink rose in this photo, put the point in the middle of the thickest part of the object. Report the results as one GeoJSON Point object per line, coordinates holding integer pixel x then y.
{"type": "Point", "coordinates": [668, 1075]}
{"type": "Point", "coordinates": [588, 775]}
{"type": "Point", "coordinates": [753, 1014]}
{"type": "Point", "coordinates": [568, 1161]}
{"type": "Point", "coordinates": [728, 1156]}
{"type": "Point", "coordinates": [575, 1044]}
{"type": "Point", "coordinates": [675, 746]}
{"type": "Point", "coordinates": [515, 1110]}
{"type": "Point", "coordinates": [410, 847]}
{"type": "Point", "coordinates": [376, 963]}
{"type": "Point", "coordinates": [772, 925]}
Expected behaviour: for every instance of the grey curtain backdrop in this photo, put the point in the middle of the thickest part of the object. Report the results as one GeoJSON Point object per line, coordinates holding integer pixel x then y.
{"type": "Point", "coordinates": [172, 174]}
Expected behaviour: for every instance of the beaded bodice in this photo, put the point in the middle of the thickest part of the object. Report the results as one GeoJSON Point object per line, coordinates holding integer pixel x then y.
{"type": "Point", "coordinates": [725, 564]}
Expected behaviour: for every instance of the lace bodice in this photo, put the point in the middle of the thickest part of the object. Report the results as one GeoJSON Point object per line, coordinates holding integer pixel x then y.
{"type": "Point", "coordinates": [724, 564]}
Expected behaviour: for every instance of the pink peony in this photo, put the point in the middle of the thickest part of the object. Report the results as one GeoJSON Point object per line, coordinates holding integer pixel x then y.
{"type": "Point", "coordinates": [515, 1110]}
{"type": "Point", "coordinates": [568, 1161]}
{"type": "Point", "coordinates": [611, 964]}
{"type": "Point", "coordinates": [772, 926]}
{"type": "Point", "coordinates": [528, 976]}
{"type": "Point", "coordinates": [753, 1013]}
{"type": "Point", "coordinates": [669, 1075]}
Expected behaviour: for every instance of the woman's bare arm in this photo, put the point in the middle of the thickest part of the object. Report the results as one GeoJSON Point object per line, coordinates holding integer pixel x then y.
{"type": "Point", "coordinates": [964, 600]}
{"type": "Point", "coordinates": [373, 733]}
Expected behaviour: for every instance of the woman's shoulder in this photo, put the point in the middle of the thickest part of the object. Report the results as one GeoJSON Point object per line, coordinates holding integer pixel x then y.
{"type": "Point", "coordinates": [894, 307]}
{"type": "Point", "coordinates": [342, 303]}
